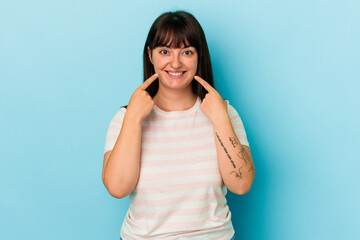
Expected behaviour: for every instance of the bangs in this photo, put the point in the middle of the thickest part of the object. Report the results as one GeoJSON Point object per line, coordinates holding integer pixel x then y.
{"type": "Point", "coordinates": [178, 29]}
{"type": "Point", "coordinates": [174, 34]}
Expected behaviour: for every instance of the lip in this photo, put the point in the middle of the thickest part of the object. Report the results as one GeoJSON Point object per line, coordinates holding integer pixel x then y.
{"type": "Point", "coordinates": [176, 77]}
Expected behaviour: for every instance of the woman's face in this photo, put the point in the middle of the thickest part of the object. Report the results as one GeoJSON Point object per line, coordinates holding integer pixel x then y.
{"type": "Point", "coordinates": [176, 67]}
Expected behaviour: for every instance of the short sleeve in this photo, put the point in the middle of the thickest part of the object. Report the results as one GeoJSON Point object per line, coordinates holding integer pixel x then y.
{"type": "Point", "coordinates": [237, 125]}
{"type": "Point", "coordinates": [114, 130]}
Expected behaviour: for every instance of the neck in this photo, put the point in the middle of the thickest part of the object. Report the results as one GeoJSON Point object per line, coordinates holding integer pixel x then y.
{"type": "Point", "coordinates": [174, 100]}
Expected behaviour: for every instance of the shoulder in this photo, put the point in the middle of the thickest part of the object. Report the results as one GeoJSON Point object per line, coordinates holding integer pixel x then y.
{"type": "Point", "coordinates": [230, 108]}
{"type": "Point", "coordinates": [119, 115]}
{"type": "Point", "coordinates": [121, 111]}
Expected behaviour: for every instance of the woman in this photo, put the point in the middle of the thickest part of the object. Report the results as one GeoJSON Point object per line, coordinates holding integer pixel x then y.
{"type": "Point", "coordinates": [177, 146]}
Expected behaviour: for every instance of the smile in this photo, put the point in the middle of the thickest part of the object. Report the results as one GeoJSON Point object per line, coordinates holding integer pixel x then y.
{"type": "Point", "coordinates": [175, 74]}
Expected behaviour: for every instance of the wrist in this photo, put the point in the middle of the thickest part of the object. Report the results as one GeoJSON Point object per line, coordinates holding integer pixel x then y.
{"type": "Point", "coordinates": [221, 121]}
{"type": "Point", "coordinates": [132, 118]}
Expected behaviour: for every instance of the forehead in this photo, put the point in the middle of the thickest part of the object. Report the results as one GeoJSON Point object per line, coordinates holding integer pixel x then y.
{"type": "Point", "coordinates": [175, 43]}
{"type": "Point", "coordinates": [174, 47]}
{"type": "Point", "coordinates": [171, 38]}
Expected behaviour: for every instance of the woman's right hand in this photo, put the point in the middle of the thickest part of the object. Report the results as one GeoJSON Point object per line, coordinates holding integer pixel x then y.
{"type": "Point", "coordinates": [141, 103]}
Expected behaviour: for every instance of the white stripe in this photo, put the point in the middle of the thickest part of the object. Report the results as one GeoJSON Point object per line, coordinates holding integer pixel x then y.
{"type": "Point", "coordinates": [182, 205]}
{"type": "Point", "coordinates": [162, 196]}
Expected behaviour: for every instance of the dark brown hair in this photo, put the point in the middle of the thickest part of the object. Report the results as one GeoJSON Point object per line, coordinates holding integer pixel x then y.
{"type": "Point", "coordinates": [172, 29]}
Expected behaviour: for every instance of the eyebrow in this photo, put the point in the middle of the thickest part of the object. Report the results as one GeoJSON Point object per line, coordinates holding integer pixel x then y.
{"type": "Point", "coordinates": [168, 46]}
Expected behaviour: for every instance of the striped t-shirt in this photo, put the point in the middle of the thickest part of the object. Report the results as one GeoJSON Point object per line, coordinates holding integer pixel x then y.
{"type": "Point", "coordinates": [180, 193]}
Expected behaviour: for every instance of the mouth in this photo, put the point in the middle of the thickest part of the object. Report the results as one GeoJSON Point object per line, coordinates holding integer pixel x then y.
{"type": "Point", "coordinates": [176, 75]}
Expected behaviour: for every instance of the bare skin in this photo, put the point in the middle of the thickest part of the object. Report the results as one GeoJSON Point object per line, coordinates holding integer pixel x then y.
{"type": "Point", "coordinates": [235, 161]}
{"type": "Point", "coordinates": [121, 166]}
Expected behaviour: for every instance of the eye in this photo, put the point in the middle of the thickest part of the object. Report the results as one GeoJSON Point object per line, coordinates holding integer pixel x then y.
{"type": "Point", "coordinates": [164, 51]}
{"type": "Point", "coordinates": [188, 52]}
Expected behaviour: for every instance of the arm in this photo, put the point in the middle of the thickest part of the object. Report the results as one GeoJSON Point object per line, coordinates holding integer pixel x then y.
{"type": "Point", "coordinates": [121, 166]}
{"type": "Point", "coordinates": [235, 161]}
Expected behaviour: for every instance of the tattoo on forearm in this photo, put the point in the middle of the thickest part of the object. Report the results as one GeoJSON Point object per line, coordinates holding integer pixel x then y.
{"type": "Point", "coordinates": [252, 169]}
{"type": "Point", "coordinates": [233, 141]}
{"type": "Point", "coordinates": [238, 174]}
{"type": "Point", "coordinates": [222, 145]}
{"type": "Point", "coordinates": [243, 155]}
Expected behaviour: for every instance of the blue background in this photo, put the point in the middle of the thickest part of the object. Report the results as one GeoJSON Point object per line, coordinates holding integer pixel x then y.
{"type": "Point", "coordinates": [290, 68]}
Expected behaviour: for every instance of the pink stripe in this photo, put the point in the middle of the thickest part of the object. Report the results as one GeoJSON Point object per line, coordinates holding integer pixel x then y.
{"type": "Point", "coordinates": [170, 151]}
{"type": "Point", "coordinates": [235, 117]}
{"type": "Point", "coordinates": [177, 187]}
{"type": "Point", "coordinates": [171, 175]}
{"type": "Point", "coordinates": [156, 117]}
{"type": "Point", "coordinates": [135, 223]}
{"type": "Point", "coordinates": [188, 225]}
{"type": "Point", "coordinates": [182, 228]}
{"type": "Point", "coordinates": [237, 126]}
{"type": "Point", "coordinates": [179, 161]}
{"type": "Point", "coordinates": [210, 208]}
{"type": "Point", "coordinates": [159, 139]}
{"type": "Point", "coordinates": [231, 111]}
{"type": "Point", "coordinates": [195, 234]}
{"type": "Point", "coordinates": [176, 128]}
{"type": "Point", "coordinates": [176, 200]}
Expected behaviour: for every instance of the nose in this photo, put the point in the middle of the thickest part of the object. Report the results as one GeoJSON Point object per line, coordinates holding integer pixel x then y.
{"type": "Point", "coordinates": [175, 61]}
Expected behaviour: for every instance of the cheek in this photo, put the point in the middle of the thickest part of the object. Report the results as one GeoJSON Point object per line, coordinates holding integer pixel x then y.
{"type": "Point", "coordinates": [194, 65]}
{"type": "Point", "coordinates": [159, 63]}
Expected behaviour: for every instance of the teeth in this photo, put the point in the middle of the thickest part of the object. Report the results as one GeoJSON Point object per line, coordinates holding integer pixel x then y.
{"type": "Point", "coordinates": [176, 74]}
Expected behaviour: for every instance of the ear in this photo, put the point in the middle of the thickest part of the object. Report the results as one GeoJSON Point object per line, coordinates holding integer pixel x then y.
{"type": "Point", "coordinates": [149, 53]}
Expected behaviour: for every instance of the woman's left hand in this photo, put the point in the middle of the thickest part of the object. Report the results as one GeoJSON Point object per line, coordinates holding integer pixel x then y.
{"type": "Point", "coordinates": [213, 106]}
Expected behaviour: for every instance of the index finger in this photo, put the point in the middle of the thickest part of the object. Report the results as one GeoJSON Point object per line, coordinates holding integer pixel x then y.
{"type": "Point", "coordinates": [204, 83]}
{"type": "Point", "coordinates": [148, 82]}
